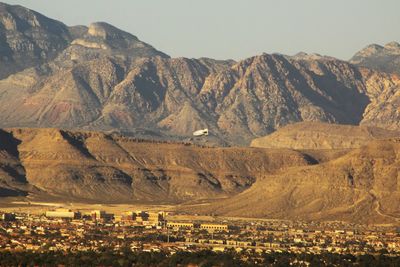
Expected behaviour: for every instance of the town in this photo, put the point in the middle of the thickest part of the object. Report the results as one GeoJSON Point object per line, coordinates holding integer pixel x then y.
{"type": "Point", "coordinates": [67, 230]}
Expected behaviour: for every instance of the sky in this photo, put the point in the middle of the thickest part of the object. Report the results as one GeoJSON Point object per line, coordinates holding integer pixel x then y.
{"type": "Point", "coordinates": [233, 29]}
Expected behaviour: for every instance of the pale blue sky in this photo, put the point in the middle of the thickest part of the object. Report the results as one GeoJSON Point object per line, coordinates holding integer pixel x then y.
{"type": "Point", "coordinates": [225, 29]}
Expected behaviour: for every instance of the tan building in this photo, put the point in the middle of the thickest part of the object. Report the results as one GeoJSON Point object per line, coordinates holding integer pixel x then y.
{"type": "Point", "coordinates": [156, 217]}
{"type": "Point", "coordinates": [63, 214]}
{"type": "Point", "coordinates": [219, 227]}
{"type": "Point", "coordinates": [179, 225]}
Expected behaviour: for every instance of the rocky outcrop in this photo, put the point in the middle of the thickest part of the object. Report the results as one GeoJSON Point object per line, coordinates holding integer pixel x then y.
{"type": "Point", "coordinates": [384, 110]}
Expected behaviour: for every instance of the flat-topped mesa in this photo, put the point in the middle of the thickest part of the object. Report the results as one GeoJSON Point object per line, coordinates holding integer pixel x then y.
{"type": "Point", "coordinates": [101, 35]}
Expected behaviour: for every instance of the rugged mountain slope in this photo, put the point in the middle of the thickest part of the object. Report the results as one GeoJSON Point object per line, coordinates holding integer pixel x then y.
{"type": "Point", "coordinates": [106, 168]}
{"type": "Point", "coordinates": [314, 135]}
{"type": "Point", "coordinates": [360, 186]}
{"type": "Point", "coordinates": [177, 96]}
{"type": "Point", "coordinates": [384, 110]}
{"type": "Point", "coordinates": [381, 58]}
{"type": "Point", "coordinates": [263, 93]}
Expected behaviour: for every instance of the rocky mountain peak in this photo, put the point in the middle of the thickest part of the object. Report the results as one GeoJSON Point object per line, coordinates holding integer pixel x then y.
{"type": "Point", "coordinates": [106, 31]}
{"type": "Point", "coordinates": [371, 49]}
{"type": "Point", "coordinates": [310, 57]}
{"type": "Point", "coordinates": [102, 39]}
{"type": "Point", "coordinates": [393, 46]}
{"type": "Point", "coordinates": [381, 58]}
{"type": "Point", "coordinates": [18, 18]}
{"type": "Point", "coordinates": [28, 38]}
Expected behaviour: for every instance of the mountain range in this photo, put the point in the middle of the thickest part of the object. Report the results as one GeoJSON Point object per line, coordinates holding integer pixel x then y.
{"type": "Point", "coordinates": [102, 78]}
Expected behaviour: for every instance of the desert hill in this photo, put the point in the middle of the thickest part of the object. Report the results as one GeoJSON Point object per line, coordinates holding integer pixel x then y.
{"type": "Point", "coordinates": [90, 166]}
{"type": "Point", "coordinates": [315, 135]}
{"type": "Point", "coordinates": [360, 186]}
{"type": "Point", "coordinates": [357, 184]}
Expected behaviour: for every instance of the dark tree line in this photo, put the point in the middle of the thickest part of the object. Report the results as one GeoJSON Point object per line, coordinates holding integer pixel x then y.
{"type": "Point", "coordinates": [201, 258]}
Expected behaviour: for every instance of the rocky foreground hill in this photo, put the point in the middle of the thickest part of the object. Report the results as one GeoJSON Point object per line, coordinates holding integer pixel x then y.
{"type": "Point", "coordinates": [102, 78]}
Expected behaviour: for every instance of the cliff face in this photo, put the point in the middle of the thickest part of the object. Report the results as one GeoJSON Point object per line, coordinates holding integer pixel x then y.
{"type": "Point", "coordinates": [384, 109]}
{"type": "Point", "coordinates": [260, 94]}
